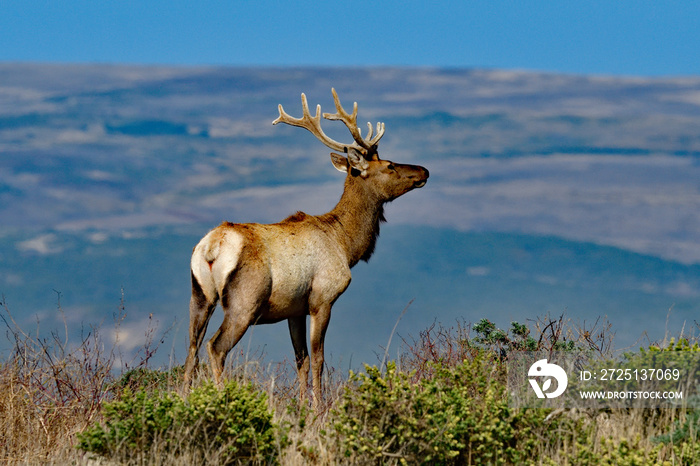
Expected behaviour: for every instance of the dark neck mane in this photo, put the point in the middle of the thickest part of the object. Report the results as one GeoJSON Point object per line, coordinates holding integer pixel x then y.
{"type": "Point", "coordinates": [356, 220]}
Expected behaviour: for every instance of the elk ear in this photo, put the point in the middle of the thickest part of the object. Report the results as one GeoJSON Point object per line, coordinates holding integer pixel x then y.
{"type": "Point", "coordinates": [357, 161]}
{"type": "Point", "coordinates": [339, 162]}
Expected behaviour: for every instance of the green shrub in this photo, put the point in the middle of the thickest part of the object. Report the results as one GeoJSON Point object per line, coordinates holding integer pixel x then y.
{"type": "Point", "coordinates": [459, 415]}
{"type": "Point", "coordinates": [618, 452]}
{"type": "Point", "coordinates": [150, 380]}
{"type": "Point", "coordinates": [684, 436]}
{"type": "Point", "coordinates": [235, 422]}
{"type": "Point", "coordinates": [518, 338]}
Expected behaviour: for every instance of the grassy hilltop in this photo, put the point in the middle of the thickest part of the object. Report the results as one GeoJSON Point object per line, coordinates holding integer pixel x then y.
{"type": "Point", "coordinates": [443, 401]}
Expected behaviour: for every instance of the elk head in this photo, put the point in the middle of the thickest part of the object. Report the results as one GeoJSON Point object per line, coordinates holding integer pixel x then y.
{"type": "Point", "coordinates": [382, 180]}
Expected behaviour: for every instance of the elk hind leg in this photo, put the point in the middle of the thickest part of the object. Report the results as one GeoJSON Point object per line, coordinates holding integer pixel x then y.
{"type": "Point", "coordinates": [201, 310]}
{"type": "Point", "coordinates": [297, 330]}
{"type": "Point", "coordinates": [243, 299]}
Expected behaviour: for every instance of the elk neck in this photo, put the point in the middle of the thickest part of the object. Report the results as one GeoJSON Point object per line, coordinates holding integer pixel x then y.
{"type": "Point", "coordinates": [355, 219]}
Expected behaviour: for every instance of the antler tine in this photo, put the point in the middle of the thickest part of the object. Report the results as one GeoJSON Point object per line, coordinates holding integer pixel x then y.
{"type": "Point", "coordinates": [350, 120]}
{"type": "Point", "coordinates": [312, 124]}
{"type": "Point", "coordinates": [380, 132]}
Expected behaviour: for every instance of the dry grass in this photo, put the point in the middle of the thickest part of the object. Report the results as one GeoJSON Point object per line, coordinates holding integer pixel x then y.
{"type": "Point", "coordinates": [50, 391]}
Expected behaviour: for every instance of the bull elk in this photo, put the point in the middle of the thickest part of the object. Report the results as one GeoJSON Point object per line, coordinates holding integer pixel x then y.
{"type": "Point", "coordinates": [267, 273]}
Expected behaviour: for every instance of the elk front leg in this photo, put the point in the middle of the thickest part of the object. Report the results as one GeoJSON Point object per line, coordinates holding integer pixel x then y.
{"type": "Point", "coordinates": [297, 330]}
{"type": "Point", "coordinates": [319, 325]}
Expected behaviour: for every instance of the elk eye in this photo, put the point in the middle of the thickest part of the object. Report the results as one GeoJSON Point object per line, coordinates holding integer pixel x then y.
{"type": "Point", "coordinates": [391, 166]}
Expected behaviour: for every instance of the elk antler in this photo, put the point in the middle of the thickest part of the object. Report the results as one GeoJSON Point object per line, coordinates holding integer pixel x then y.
{"type": "Point", "coordinates": [367, 146]}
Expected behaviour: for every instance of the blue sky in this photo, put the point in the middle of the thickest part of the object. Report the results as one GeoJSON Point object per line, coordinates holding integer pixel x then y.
{"type": "Point", "coordinates": [611, 37]}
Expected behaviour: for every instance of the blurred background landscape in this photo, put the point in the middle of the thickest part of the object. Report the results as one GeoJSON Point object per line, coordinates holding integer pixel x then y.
{"type": "Point", "coordinates": [549, 194]}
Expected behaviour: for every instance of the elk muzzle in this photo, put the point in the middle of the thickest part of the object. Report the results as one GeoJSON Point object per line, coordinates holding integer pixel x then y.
{"type": "Point", "coordinates": [423, 178]}
{"type": "Point", "coordinates": [418, 174]}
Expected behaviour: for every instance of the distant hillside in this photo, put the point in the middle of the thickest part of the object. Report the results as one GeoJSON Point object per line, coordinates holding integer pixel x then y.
{"type": "Point", "coordinates": [450, 276]}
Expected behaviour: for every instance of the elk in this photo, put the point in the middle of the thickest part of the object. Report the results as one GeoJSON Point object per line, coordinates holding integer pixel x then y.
{"type": "Point", "coordinates": [300, 266]}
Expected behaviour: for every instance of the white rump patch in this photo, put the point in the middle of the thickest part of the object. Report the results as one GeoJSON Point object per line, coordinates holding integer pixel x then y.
{"type": "Point", "coordinates": [214, 258]}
